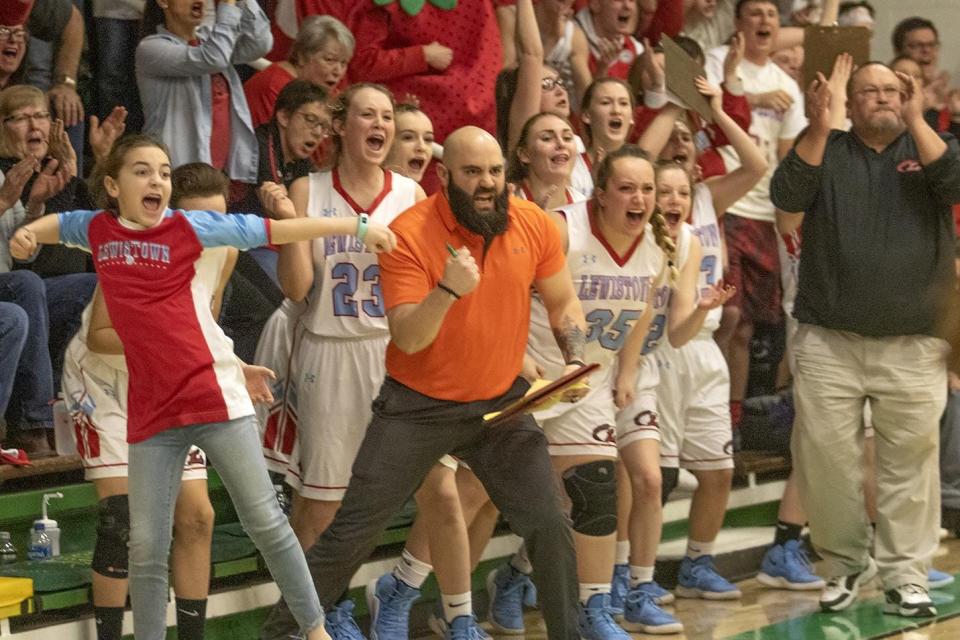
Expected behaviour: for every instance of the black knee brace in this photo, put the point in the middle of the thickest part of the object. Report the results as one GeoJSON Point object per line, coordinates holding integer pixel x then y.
{"type": "Point", "coordinates": [592, 488]}
{"type": "Point", "coordinates": [670, 477]}
{"type": "Point", "coordinates": [110, 556]}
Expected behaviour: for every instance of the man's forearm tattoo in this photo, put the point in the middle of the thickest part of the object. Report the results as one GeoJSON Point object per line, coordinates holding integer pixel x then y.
{"type": "Point", "coordinates": [570, 338]}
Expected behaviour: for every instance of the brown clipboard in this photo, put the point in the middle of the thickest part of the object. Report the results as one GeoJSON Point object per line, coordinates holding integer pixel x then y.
{"type": "Point", "coordinates": [681, 70]}
{"type": "Point", "coordinates": [534, 399]}
{"type": "Point", "coordinates": [822, 45]}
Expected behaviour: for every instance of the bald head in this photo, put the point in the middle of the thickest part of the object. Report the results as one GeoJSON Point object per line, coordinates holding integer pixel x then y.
{"type": "Point", "coordinates": [466, 142]}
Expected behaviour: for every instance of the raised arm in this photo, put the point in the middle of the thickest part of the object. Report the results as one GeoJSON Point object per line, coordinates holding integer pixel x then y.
{"type": "Point", "coordinates": [657, 134]}
{"type": "Point", "coordinates": [63, 95]}
{"type": "Point", "coordinates": [162, 56]}
{"type": "Point", "coordinates": [729, 188]}
{"type": "Point", "coordinates": [255, 39]}
{"type": "Point", "coordinates": [414, 326]}
{"type": "Point", "coordinates": [526, 101]}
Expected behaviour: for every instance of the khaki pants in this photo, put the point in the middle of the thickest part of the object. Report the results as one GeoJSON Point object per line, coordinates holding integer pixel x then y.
{"type": "Point", "coordinates": [905, 379]}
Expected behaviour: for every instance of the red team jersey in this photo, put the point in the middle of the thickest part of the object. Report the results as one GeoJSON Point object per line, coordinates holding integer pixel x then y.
{"type": "Point", "coordinates": [182, 367]}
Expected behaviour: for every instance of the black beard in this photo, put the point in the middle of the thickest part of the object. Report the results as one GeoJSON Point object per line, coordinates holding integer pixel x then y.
{"type": "Point", "coordinates": [487, 225]}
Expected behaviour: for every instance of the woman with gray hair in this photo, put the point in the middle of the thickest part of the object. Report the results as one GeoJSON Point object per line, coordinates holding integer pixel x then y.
{"type": "Point", "coordinates": [320, 54]}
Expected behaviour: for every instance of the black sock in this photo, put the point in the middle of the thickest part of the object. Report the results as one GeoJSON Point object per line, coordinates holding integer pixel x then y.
{"type": "Point", "coordinates": [787, 531]}
{"type": "Point", "coordinates": [109, 622]}
{"type": "Point", "coordinates": [191, 615]}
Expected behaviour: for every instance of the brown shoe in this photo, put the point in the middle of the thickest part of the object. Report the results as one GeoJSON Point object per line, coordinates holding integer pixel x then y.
{"type": "Point", "coordinates": [34, 442]}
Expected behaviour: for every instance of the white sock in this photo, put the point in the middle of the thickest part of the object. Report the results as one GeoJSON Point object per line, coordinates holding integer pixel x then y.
{"type": "Point", "coordinates": [521, 562]}
{"type": "Point", "coordinates": [588, 590]}
{"type": "Point", "coordinates": [639, 575]}
{"type": "Point", "coordinates": [457, 605]}
{"type": "Point", "coordinates": [695, 549]}
{"type": "Point", "coordinates": [623, 552]}
{"type": "Point", "coordinates": [411, 571]}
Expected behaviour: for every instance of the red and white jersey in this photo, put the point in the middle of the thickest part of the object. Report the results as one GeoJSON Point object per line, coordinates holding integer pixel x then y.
{"type": "Point", "coordinates": [208, 267]}
{"type": "Point", "coordinates": [182, 367]}
{"type": "Point", "coordinates": [614, 291]}
{"type": "Point", "coordinates": [618, 68]}
{"type": "Point", "coordinates": [705, 227]}
{"type": "Point", "coordinates": [581, 178]}
{"type": "Point", "coordinates": [345, 301]}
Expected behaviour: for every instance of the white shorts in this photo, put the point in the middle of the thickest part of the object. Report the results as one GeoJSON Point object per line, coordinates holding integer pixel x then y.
{"type": "Point", "coordinates": [278, 422]}
{"type": "Point", "coordinates": [332, 390]}
{"type": "Point", "coordinates": [693, 398]}
{"type": "Point", "coordinates": [96, 396]}
{"type": "Point", "coordinates": [587, 427]}
{"type": "Point", "coordinates": [640, 419]}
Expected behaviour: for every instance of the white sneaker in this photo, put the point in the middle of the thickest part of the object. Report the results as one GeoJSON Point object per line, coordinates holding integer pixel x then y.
{"type": "Point", "coordinates": [841, 591]}
{"type": "Point", "coordinates": [909, 601]}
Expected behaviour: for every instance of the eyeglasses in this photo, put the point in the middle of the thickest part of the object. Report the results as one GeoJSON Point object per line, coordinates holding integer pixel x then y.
{"type": "Point", "coordinates": [314, 122]}
{"type": "Point", "coordinates": [20, 119]}
{"type": "Point", "coordinates": [930, 44]}
{"type": "Point", "coordinates": [548, 84]}
{"type": "Point", "coordinates": [872, 93]}
{"type": "Point", "coordinates": [14, 33]}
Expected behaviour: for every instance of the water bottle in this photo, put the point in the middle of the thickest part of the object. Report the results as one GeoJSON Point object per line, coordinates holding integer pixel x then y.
{"type": "Point", "coordinates": [282, 499]}
{"type": "Point", "coordinates": [41, 548]}
{"type": "Point", "coordinates": [8, 552]}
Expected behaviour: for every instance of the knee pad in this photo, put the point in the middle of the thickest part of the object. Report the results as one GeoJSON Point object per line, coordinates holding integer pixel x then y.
{"type": "Point", "coordinates": [110, 556]}
{"type": "Point", "coordinates": [592, 488]}
{"type": "Point", "coordinates": [670, 477]}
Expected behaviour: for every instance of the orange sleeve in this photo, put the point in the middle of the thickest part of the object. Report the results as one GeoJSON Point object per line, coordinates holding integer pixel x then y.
{"type": "Point", "coordinates": [551, 259]}
{"type": "Point", "coordinates": [403, 277]}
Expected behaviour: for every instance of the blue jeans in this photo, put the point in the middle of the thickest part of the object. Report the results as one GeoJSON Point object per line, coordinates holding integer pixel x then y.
{"type": "Point", "coordinates": [13, 336]}
{"type": "Point", "coordinates": [33, 383]}
{"type": "Point", "coordinates": [156, 466]}
{"type": "Point", "coordinates": [53, 307]}
{"type": "Point", "coordinates": [950, 453]}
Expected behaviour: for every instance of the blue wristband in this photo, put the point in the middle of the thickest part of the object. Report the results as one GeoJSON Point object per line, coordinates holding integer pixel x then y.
{"type": "Point", "coordinates": [363, 223]}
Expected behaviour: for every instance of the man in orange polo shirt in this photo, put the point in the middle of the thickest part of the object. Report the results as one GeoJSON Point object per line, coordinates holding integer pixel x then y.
{"type": "Point", "coordinates": [458, 327]}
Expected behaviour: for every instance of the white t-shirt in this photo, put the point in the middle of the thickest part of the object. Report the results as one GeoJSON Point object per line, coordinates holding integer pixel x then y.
{"type": "Point", "coordinates": [767, 127]}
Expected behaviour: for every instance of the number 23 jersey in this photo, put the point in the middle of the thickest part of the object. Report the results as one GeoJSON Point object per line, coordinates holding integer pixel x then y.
{"type": "Point", "coordinates": [346, 300]}
{"type": "Point", "coordinates": [614, 290]}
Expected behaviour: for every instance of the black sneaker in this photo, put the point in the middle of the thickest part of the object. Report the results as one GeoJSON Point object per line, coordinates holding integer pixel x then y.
{"type": "Point", "coordinates": [909, 601]}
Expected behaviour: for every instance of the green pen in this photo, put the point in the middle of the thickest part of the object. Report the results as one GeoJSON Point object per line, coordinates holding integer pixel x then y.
{"type": "Point", "coordinates": [452, 251]}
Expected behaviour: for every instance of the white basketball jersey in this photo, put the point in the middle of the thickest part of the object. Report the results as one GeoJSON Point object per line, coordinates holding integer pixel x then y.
{"type": "Point", "coordinates": [613, 290]}
{"type": "Point", "coordinates": [581, 178]}
{"type": "Point", "coordinates": [206, 279]}
{"type": "Point", "coordinates": [572, 195]}
{"type": "Point", "coordinates": [705, 227]}
{"type": "Point", "coordinates": [346, 301]}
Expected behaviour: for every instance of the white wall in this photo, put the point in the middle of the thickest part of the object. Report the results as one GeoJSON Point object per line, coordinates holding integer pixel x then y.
{"type": "Point", "coordinates": [945, 14]}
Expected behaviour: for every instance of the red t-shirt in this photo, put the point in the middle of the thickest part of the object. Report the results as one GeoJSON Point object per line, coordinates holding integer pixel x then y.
{"type": "Point", "coordinates": [262, 90]}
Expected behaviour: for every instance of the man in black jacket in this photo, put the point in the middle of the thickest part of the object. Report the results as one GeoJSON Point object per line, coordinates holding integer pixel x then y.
{"type": "Point", "coordinates": [876, 274]}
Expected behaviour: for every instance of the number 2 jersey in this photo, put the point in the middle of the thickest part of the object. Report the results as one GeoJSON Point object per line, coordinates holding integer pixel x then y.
{"type": "Point", "coordinates": [614, 291]}
{"type": "Point", "coordinates": [346, 300]}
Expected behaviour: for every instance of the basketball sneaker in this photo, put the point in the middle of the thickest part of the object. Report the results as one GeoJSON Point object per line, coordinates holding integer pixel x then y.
{"type": "Point", "coordinates": [909, 601]}
{"type": "Point", "coordinates": [840, 591]}
{"type": "Point", "coordinates": [642, 614]}
{"type": "Point", "coordinates": [595, 620]}
{"type": "Point", "coordinates": [699, 579]}
{"type": "Point", "coordinates": [938, 579]}
{"type": "Point", "coordinates": [786, 566]}
{"type": "Point", "coordinates": [390, 600]}
{"type": "Point", "coordinates": [509, 591]}
{"type": "Point", "coordinates": [340, 623]}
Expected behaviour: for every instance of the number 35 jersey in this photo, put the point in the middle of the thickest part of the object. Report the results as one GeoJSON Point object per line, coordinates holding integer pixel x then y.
{"type": "Point", "coordinates": [614, 291]}
{"type": "Point", "coordinates": [346, 301]}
